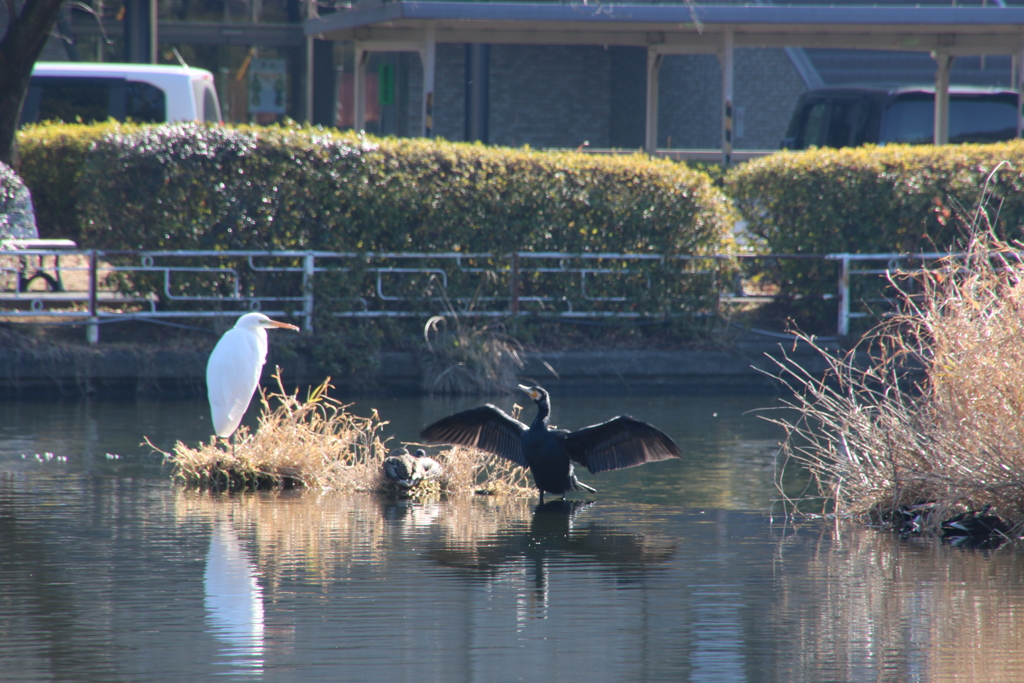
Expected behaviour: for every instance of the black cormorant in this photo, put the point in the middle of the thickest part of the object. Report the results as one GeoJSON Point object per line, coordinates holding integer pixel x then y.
{"type": "Point", "coordinates": [612, 445]}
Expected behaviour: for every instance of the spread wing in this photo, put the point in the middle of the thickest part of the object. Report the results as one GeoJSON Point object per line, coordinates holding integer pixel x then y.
{"type": "Point", "coordinates": [487, 428]}
{"type": "Point", "coordinates": [618, 443]}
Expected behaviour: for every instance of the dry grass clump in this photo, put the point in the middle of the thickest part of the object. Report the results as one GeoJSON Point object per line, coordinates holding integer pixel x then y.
{"type": "Point", "coordinates": [468, 359]}
{"type": "Point", "coordinates": [318, 444]}
{"type": "Point", "coordinates": [932, 425]}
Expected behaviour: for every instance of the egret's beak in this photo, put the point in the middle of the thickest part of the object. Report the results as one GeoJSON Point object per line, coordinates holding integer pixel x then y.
{"type": "Point", "coordinates": [283, 326]}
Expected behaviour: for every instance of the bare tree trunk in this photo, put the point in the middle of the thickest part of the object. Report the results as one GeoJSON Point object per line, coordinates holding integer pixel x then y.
{"type": "Point", "coordinates": [27, 31]}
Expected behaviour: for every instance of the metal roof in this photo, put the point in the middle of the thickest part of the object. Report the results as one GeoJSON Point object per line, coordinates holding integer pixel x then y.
{"type": "Point", "coordinates": [678, 28]}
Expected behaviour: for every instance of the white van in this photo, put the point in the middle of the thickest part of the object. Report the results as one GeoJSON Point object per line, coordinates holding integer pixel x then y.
{"type": "Point", "coordinates": [144, 93]}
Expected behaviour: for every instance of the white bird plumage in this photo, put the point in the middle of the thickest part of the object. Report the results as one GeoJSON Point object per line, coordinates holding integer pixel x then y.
{"type": "Point", "coordinates": [234, 368]}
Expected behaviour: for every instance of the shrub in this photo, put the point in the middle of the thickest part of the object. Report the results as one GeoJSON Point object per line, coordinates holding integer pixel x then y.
{"type": "Point", "coordinates": [928, 434]}
{"type": "Point", "coordinates": [192, 186]}
{"type": "Point", "coordinates": [318, 444]}
{"type": "Point", "coordinates": [52, 161]}
{"type": "Point", "coordinates": [897, 198]}
{"type": "Point", "coordinates": [16, 215]}
{"type": "Point", "coordinates": [189, 186]}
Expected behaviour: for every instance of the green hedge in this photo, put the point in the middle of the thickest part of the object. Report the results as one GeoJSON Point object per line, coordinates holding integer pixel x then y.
{"type": "Point", "coordinates": [195, 187]}
{"type": "Point", "coordinates": [875, 199]}
{"type": "Point", "coordinates": [52, 159]}
{"type": "Point", "coordinates": [189, 186]}
{"type": "Point", "coordinates": [898, 198]}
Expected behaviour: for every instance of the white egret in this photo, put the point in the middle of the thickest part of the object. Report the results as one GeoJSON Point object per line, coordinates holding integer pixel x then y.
{"type": "Point", "coordinates": [233, 370]}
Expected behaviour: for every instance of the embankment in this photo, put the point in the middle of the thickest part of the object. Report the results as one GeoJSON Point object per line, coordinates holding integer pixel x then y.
{"type": "Point", "coordinates": [125, 371]}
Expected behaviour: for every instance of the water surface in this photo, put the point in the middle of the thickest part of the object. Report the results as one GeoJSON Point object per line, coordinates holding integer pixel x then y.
{"type": "Point", "coordinates": [675, 571]}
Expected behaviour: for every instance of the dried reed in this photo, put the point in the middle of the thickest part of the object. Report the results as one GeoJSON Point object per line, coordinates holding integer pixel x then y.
{"type": "Point", "coordinates": [924, 419]}
{"type": "Point", "coordinates": [318, 444]}
{"type": "Point", "coordinates": [468, 359]}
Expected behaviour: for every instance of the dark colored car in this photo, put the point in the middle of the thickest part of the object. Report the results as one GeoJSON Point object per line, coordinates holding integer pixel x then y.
{"type": "Point", "coordinates": [852, 116]}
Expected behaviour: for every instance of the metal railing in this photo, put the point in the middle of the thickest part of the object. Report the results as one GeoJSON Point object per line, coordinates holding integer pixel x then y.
{"type": "Point", "coordinates": [860, 265]}
{"type": "Point", "coordinates": [94, 285]}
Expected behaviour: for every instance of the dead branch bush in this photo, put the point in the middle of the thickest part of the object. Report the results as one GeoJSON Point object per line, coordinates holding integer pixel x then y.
{"type": "Point", "coordinates": [318, 444]}
{"type": "Point", "coordinates": [923, 419]}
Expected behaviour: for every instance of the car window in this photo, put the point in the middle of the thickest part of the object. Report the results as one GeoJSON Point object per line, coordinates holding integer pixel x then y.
{"type": "Point", "coordinates": [911, 119]}
{"type": "Point", "coordinates": [71, 99]}
{"type": "Point", "coordinates": [208, 96]}
{"type": "Point", "coordinates": [836, 122]}
{"type": "Point", "coordinates": [848, 122]}
{"type": "Point", "coordinates": [815, 126]}
{"type": "Point", "coordinates": [982, 120]}
{"type": "Point", "coordinates": [145, 103]}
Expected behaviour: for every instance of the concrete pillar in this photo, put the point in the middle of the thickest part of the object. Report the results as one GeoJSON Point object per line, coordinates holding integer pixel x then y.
{"type": "Point", "coordinates": [726, 59]}
{"type": "Point", "coordinates": [944, 62]}
{"type": "Point", "coordinates": [140, 31]}
{"type": "Point", "coordinates": [428, 56]}
{"type": "Point", "coordinates": [654, 60]}
{"type": "Point", "coordinates": [359, 87]}
{"type": "Point", "coordinates": [477, 86]}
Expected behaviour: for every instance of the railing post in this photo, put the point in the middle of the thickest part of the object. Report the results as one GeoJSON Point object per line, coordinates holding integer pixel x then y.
{"type": "Point", "coordinates": [307, 291]}
{"type": "Point", "coordinates": [844, 294]}
{"type": "Point", "coordinates": [513, 283]}
{"type": "Point", "coordinates": [92, 330]}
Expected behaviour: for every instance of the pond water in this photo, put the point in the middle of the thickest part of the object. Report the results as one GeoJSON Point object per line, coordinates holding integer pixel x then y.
{"type": "Point", "coordinates": [675, 571]}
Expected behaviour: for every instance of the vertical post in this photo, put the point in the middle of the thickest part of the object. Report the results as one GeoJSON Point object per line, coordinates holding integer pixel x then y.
{"type": "Point", "coordinates": [477, 96]}
{"type": "Point", "coordinates": [428, 56]}
{"type": "Point", "coordinates": [92, 330]}
{"type": "Point", "coordinates": [727, 87]}
{"type": "Point", "coordinates": [844, 294]}
{"type": "Point", "coordinates": [513, 284]}
{"type": "Point", "coordinates": [944, 62]}
{"type": "Point", "coordinates": [359, 89]}
{"type": "Point", "coordinates": [307, 290]}
{"type": "Point", "coordinates": [654, 59]}
{"type": "Point", "coordinates": [1018, 81]}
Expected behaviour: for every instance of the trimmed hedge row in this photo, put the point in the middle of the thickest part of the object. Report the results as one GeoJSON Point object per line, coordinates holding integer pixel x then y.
{"type": "Point", "coordinates": [187, 186]}
{"type": "Point", "coordinates": [898, 198]}
{"type": "Point", "coordinates": [876, 199]}
{"type": "Point", "coordinates": [52, 161]}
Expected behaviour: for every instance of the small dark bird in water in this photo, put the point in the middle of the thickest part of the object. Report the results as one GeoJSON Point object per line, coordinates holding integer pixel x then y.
{"type": "Point", "coordinates": [431, 468]}
{"type": "Point", "coordinates": [408, 470]}
{"type": "Point", "coordinates": [976, 529]}
{"type": "Point", "coordinates": [549, 453]}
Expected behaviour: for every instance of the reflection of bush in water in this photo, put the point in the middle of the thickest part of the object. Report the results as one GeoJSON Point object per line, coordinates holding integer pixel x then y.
{"type": "Point", "coordinates": [325, 536]}
{"type": "Point", "coordinates": [867, 600]}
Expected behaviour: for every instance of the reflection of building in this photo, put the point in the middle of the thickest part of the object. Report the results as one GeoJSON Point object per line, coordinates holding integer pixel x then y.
{"type": "Point", "coordinates": [547, 74]}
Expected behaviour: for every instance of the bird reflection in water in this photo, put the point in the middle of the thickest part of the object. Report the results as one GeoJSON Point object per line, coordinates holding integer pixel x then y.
{"type": "Point", "coordinates": [234, 599]}
{"type": "Point", "coordinates": [554, 535]}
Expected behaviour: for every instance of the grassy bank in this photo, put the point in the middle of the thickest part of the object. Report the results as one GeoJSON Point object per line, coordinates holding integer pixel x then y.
{"type": "Point", "coordinates": [317, 444]}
